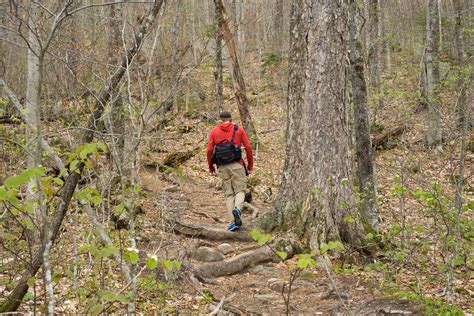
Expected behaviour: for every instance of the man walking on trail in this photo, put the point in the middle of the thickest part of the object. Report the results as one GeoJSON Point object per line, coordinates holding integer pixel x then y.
{"type": "Point", "coordinates": [223, 150]}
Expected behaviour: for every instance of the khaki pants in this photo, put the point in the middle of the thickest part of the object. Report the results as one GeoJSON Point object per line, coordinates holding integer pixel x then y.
{"type": "Point", "coordinates": [234, 183]}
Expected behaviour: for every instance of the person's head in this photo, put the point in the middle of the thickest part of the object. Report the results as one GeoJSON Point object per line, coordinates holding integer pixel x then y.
{"type": "Point", "coordinates": [225, 116]}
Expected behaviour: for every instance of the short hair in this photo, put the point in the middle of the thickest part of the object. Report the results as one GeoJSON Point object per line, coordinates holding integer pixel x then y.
{"type": "Point", "coordinates": [225, 116]}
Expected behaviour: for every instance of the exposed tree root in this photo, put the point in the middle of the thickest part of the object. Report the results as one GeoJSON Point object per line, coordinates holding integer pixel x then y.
{"type": "Point", "coordinates": [236, 264]}
{"type": "Point", "coordinates": [206, 231]}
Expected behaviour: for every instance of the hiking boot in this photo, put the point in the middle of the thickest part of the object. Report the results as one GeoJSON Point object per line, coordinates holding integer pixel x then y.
{"type": "Point", "coordinates": [237, 219]}
{"type": "Point", "coordinates": [232, 227]}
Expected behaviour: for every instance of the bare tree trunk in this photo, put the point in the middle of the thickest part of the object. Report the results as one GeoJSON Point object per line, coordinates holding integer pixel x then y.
{"type": "Point", "coordinates": [374, 49]}
{"type": "Point", "coordinates": [364, 155]}
{"type": "Point", "coordinates": [35, 62]}
{"type": "Point", "coordinates": [278, 26]}
{"type": "Point", "coordinates": [433, 135]}
{"type": "Point", "coordinates": [459, 52]}
{"type": "Point", "coordinates": [237, 78]}
{"type": "Point", "coordinates": [241, 30]}
{"type": "Point", "coordinates": [387, 41]}
{"type": "Point", "coordinates": [12, 302]}
{"type": "Point", "coordinates": [115, 35]}
{"type": "Point", "coordinates": [219, 20]}
{"type": "Point", "coordinates": [315, 199]}
{"type": "Point", "coordinates": [32, 105]}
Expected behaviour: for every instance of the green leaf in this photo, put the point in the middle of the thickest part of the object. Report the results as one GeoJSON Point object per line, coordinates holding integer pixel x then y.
{"type": "Point", "coordinates": [335, 245]}
{"type": "Point", "coordinates": [254, 234]}
{"type": "Point", "coordinates": [283, 255]}
{"type": "Point", "coordinates": [24, 177]}
{"type": "Point", "coordinates": [119, 209]}
{"type": "Point", "coordinates": [73, 165]}
{"type": "Point", "coordinates": [177, 264]}
{"type": "Point", "coordinates": [349, 219]}
{"type": "Point", "coordinates": [305, 260]}
{"type": "Point", "coordinates": [396, 179]}
{"type": "Point", "coordinates": [108, 250]}
{"type": "Point", "coordinates": [260, 238]}
{"type": "Point", "coordinates": [8, 236]}
{"type": "Point", "coordinates": [264, 238]}
{"type": "Point", "coordinates": [96, 309]}
{"type": "Point", "coordinates": [108, 296]}
{"type": "Point", "coordinates": [31, 281]}
{"type": "Point", "coordinates": [323, 247]}
{"type": "Point", "coordinates": [56, 277]}
{"type": "Point", "coordinates": [132, 255]}
{"type": "Point", "coordinates": [102, 146]}
{"type": "Point", "coordinates": [3, 194]}
{"type": "Point", "coordinates": [167, 264]}
{"type": "Point", "coordinates": [28, 297]}
{"type": "Point", "coordinates": [152, 263]}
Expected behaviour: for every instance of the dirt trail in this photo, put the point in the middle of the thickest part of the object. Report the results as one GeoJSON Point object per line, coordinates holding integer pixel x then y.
{"type": "Point", "coordinates": [257, 289]}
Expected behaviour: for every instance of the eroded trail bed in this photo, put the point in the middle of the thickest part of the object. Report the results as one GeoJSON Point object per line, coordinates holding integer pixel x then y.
{"type": "Point", "coordinates": [257, 288]}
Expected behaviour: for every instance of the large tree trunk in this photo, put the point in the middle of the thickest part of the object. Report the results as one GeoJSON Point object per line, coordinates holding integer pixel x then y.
{"type": "Point", "coordinates": [364, 155]}
{"type": "Point", "coordinates": [315, 199]}
{"type": "Point", "coordinates": [237, 77]}
{"type": "Point", "coordinates": [433, 135]}
{"type": "Point", "coordinates": [12, 302]}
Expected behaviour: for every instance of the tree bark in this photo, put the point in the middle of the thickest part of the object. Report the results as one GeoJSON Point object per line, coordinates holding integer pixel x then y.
{"type": "Point", "coordinates": [459, 52]}
{"type": "Point", "coordinates": [278, 26]}
{"type": "Point", "coordinates": [374, 50]}
{"type": "Point", "coordinates": [433, 135]}
{"type": "Point", "coordinates": [314, 200]}
{"type": "Point", "coordinates": [219, 20]}
{"type": "Point", "coordinates": [12, 302]}
{"type": "Point", "coordinates": [237, 78]}
{"type": "Point", "coordinates": [365, 172]}
{"type": "Point", "coordinates": [34, 81]}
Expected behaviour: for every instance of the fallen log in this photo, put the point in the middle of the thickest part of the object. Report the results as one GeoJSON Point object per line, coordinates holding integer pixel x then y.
{"type": "Point", "coordinates": [176, 159]}
{"type": "Point", "coordinates": [383, 140]}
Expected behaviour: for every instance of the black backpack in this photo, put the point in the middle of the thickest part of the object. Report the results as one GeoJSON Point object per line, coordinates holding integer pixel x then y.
{"type": "Point", "coordinates": [227, 152]}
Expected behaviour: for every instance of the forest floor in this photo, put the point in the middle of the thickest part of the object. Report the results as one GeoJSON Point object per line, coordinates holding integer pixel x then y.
{"type": "Point", "coordinates": [349, 287]}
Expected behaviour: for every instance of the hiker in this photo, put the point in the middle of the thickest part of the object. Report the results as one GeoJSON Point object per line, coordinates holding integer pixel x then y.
{"type": "Point", "coordinates": [223, 150]}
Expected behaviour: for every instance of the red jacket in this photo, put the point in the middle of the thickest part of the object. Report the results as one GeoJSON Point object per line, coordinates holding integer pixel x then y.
{"type": "Point", "coordinates": [223, 132]}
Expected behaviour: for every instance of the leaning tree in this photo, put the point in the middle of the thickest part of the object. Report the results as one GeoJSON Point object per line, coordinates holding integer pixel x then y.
{"type": "Point", "coordinates": [316, 199]}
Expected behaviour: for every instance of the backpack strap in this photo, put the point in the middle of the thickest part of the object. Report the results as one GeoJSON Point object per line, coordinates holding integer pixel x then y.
{"type": "Point", "coordinates": [233, 134]}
